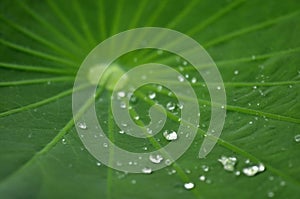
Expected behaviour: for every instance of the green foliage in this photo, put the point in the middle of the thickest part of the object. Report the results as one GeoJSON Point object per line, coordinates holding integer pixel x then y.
{"type": "Point", "coordinates": [255, 45]}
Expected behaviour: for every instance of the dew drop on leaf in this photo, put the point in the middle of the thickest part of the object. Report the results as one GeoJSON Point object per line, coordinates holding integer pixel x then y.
{"type": "Point", "coordinates": [156, 159]}
{"type": "Point", "coordinates": [152, 95]}
{"type": "Point", "coordinates": [170, 135]}
{"type": "Point", "coordinates": [189, 185]}
{"type": "Point", "coordinates": [202, 178]}
{"type": "Point", "coordinates": [170, 106]}
{"type": "Point", "coordinates": [147, 170]}
{"type": "Point", "coordinates": [82, 125]}
{"type": "Point", "coordinates": [194, 80]}
{"type": "Point", "coordinates": [236, 72]}
{"type": "Point", "coordinates": [228, 162]}
{"type": "Point", "coordinates": [297, 138]}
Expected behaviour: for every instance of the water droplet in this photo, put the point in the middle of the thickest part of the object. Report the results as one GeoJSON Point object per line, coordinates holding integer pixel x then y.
{"type": "Point", "coordinates": [202, 178]}
{"type": "Point", "coordinates": [123, 105]}
{"type": "Point", "coordinates": [121, 94]}
{"type": "Point", "coordinates": [254, 87]}
{"type": "Point", "coordinates": [121, 132]}
{"type": "Point", "coordinates": [105, 145]}
{"type": "Point", "coordinates": [253, 170]}
{"type": "Point", "coordinates": [180, 106]}
{"type": "Point", "coordinates": [133, 99]}
{"type": "Point", "coordinates": [187, 76]}
{"type": "Point", "coordinates": [297, 138]}
{"type": "Point", "coordinates": [98, 164]}
{"type": "Point", "coordinates": [228, 162]}
{"type": "Point", "coordinates": [250, 122]}
{"type": "Point", "coordinates": [247, 161]}
{"type": "Point", "coordinates": [133, 181]}
{"type": "Point", "coordinates": [194, 80]}
{"type": "Point", "coordinates": [180, 78]}
{"type": "Point", "coordinates": [147, 170]}
{"type": "Point", "coordinates": [189, 185]}
{"type": "Point", "coordinates": [64, 141]}
{"type": "Point", "coordinates": [218, 87]}
{"type": "Point", "coordinates": [168, 162]}
{"type": "Point", "coordinates": [156, 159]}
{"type": "Point", "coordinates": [237, 173]}
{"type": "Point", "coordinates": [187, 171]}
{"type": "Point", "coordinates": [184, 63]}
{"type": "Point", "coordinates": [152, 95]}
{"type": "Point", "coordinates": [137, 117]}
{"type": "Point", "coordinates": [170, 136]}
{"type": "Point", "coordinates": [170, 106]}
{"type": "Point", "coordinates": [271, 194]}
{"type": "Point", "coordinates": [282, 183]}
{"type": "Point", "coordinates": [82, 125]}
{"type": "Point", "coordinates": [236, 72]}
{"type": "Point", "coordinates": [253, 57]}
{"type": "Point", "coordinates": [205, 168]}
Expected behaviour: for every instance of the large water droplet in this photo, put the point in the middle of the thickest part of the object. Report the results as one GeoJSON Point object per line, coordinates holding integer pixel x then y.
{"type": "Point", "coordinates": [156, 159]}
{"type": "Point", "coordinates": [228, 162]}
{"type": "Point", "coordinates": [253, 170]}
{"type": "Point", "coordinates": [189, 185]}
{"type": "Point", "coordinates": [170, 135]}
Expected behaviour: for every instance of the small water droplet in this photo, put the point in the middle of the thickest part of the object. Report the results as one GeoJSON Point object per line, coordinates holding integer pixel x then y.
{"type": "Point", "coordinates": [170, 106]}
{"type": "Point", "coordinates": [82, 125]}
{"type": "Point", "coordinates": [168, 162]}
{"type": "Point", "coordinates": [254, 87]}
{"type": "Point", "coordinates": [184, 63]}
{"type": "Point", "coordinates": [250, 122]}
{"type": "Point", "coordinates": [133, 181]}
{"type": "Point", "coordinates": [205, 168]}
{"type": "Point", "coordinates": [156, 159]}
{"type": "Point", "coordinates": [187, 76]}
{"type": "Point", "coordinates": [218, 87]}
{"type": "Point", "coordinates": [64, 141]}
{"type": "Point", "coordinates": [152, 95]}
{"type": "Point", "coordinates": [105, 145]}
{"type": "Point", "coordinates": [194, 80]}
{"type": "Point", "coordinates": [189, 185]}
{"type": "Point", "coordinates": [187, 171]}
{"type": "Point", "coordinates": [123, 105]}
{"type": "Point", "coordinates": [133, 99]}
{"type": "Point", "coordinates": [271, 194]}
{"type": "Point", "coordinates": [137, 117]}
{"type": "Point", "coordinates": [253, 57]}
{"type": "Point", "coordinates": [121, 94]}
{"type": "Point", "coordinates": [282, 183]}
{"type": "Point", "coordinates": [247, 161]}
{"type": "Point", "coordinates": [147, 170]}
{"type": "Point", "coordinates": [228, 162]}
{"type": "Point", "coordinates": [297, 138]}
{"type": "Point", "coordinates": [170, 136]}
{"type": "Point", "coordinates": [121, 132]}
{"type": "Point", "coordinates": [236, 72]}
{"type": "Point", "coordinates": [180, 78]}
{"type": "Point", "coordinates": [98, 164]}
{"type": "Point", "coordinates": [237, 173]}
{"type": "Point", "coordinates": [202, 178]}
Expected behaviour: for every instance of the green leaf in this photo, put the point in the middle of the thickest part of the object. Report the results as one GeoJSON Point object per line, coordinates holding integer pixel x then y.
{"type": "Point", "coordinates": [255, 45]}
